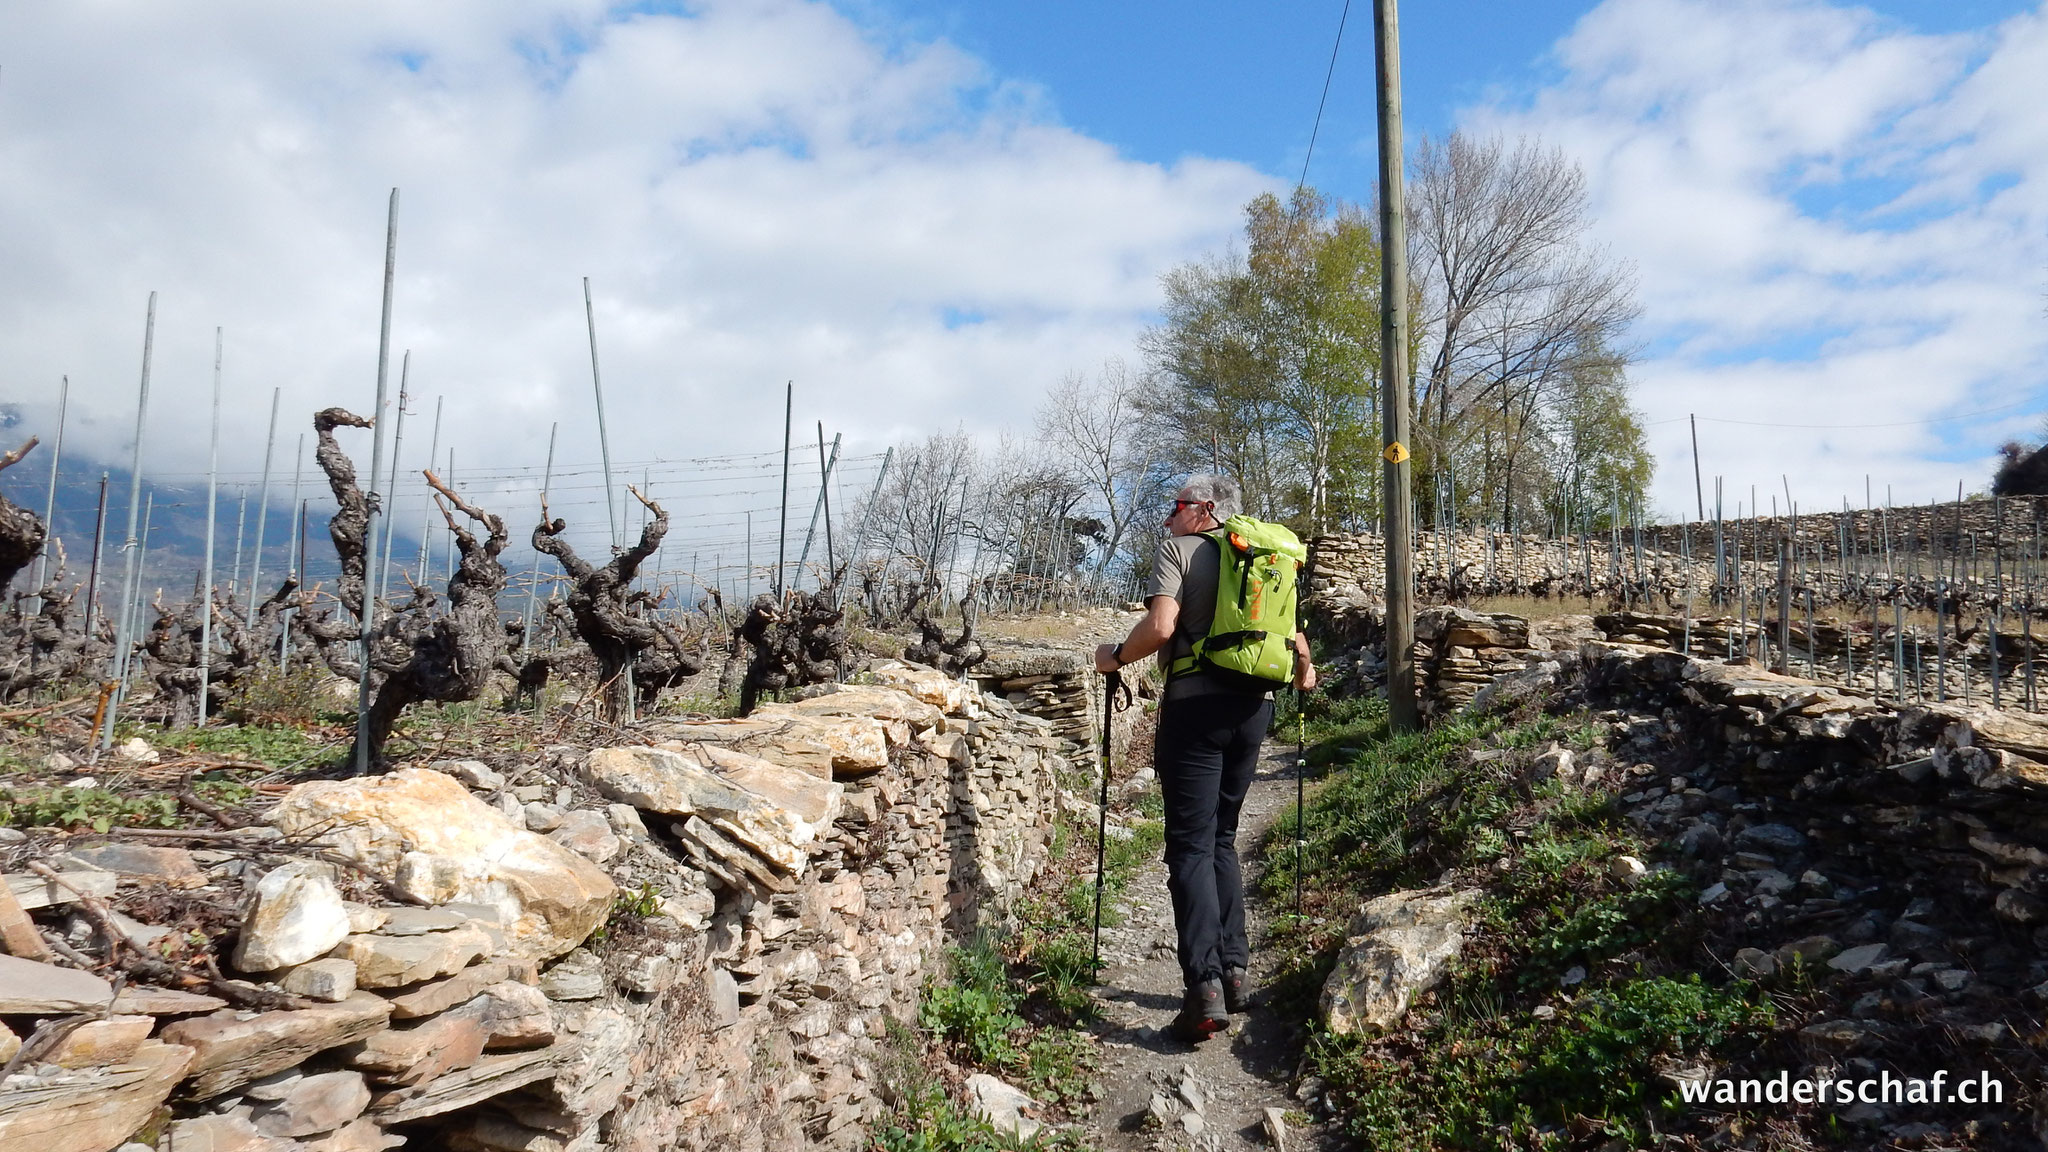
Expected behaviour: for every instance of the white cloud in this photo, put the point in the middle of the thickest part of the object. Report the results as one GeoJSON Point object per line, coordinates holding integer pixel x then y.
{"type": "Point", "coordinates": [759, 190]}
{"type": "Point", "coordinates": [1837, 221]}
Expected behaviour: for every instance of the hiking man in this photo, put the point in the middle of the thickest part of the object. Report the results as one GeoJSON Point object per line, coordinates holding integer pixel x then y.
{"type": "Point", "coordinates": [1211, 725]}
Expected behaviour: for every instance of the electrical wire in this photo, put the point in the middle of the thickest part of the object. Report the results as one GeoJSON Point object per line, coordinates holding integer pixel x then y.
{"type": "Point", "coordinates": [1325, 99]}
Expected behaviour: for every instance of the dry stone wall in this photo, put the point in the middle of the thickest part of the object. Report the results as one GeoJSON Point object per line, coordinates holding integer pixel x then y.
{"type": "Point", "coordinates": [1881, 866]}
{"type": "Point", "coordinates": [1061, 686]}
{"type": "Point", "coordinates": [675, 943]}
{"type": "Point", "coordinates": [1930, 561]}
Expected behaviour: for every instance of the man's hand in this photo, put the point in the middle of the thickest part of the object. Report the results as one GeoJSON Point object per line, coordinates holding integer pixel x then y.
{"type": "Point", "coordinates": [1105, 658]}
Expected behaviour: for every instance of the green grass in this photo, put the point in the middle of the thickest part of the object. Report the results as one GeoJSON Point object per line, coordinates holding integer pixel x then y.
{"type": "Point", "coordinates": [925, 1118]}
{"type": "Point", "coordinates": [279, 746]}
{"type": "Point", "coordinates": [1515, 1080]}
{"type": "Point", "coordinates": [976, 1014]}
{"type": "Point", "coordinates": [1017, 1006]}
{"type": "Point", "coordinates": [94, 808]}
{"type": "Point", "coordinates": [1476, 1065]}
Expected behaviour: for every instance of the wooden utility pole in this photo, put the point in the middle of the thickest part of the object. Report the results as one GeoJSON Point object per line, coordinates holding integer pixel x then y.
{"type": "Point", "coordinates": [1401, 710]}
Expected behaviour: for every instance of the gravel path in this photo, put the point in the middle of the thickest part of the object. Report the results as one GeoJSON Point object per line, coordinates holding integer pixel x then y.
{"type": "Point", "coordinates": [1148, 1077]}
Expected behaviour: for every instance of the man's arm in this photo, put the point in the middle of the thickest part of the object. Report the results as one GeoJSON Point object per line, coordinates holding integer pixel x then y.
{"type": "Point", "coordinates": [1304, 666]}
{"type": "Point", "coordinates": [1147, 636]}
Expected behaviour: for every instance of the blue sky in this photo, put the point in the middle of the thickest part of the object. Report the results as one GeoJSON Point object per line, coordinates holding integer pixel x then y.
{"type": "Point", "coordinates": [926, 213]}
{"type": "Point", "coordinates": [1241, 81]}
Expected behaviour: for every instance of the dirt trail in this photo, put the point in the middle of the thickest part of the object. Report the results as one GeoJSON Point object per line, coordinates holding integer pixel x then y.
{"type": "Point", "coordinates": [1237, 1075]}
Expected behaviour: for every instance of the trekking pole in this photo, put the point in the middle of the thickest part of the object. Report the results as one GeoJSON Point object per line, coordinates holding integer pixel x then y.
{"type": "Point", "coordinates": [1112, 685]}
{"type": "Point", "coordinates": [1300, 771]}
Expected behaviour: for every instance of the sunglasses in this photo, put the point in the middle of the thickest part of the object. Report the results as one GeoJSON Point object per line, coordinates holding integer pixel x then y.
{"type": "Point", "coordinates": [1180, 504]}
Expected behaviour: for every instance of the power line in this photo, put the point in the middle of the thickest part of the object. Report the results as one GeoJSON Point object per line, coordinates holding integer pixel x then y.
{"type": "Point", "coordinates": [1325, 99]}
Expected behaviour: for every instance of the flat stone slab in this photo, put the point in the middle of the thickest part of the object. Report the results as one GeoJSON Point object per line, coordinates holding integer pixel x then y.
{"type": "Point", "coordinates": [230, 1052]}
{"type": "Point", "coordinates": [32, 891]}
{"type": "Point", "coordinates": [420, 921]}
{"type": "Point", "coordinates": [172, 864]}
{"type": "Point", "coordinates": [488, 1077]}
{"type": "Point", "coordinates": [395, 961]}
{"type": "Point", "coordinates": [143, 1000]}
{"type": "Point", "coordinates": [773, 809]}
{"type": "Point", "coordinates": [91, 1111]}
{"type": "Point", "coordinates": [32, 988]}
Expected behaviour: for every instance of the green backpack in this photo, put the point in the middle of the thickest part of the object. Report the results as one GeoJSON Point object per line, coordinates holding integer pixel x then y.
{"type": "Point", "coordinates": [1251, 639]}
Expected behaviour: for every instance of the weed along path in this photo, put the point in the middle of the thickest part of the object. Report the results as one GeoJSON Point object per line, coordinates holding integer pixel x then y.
{"type": "Point", "coordinates": [1162, 1093]}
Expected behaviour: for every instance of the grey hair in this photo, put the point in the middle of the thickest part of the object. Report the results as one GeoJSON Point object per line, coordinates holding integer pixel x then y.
{"type": "Point", "coordinates": [1212, 489]}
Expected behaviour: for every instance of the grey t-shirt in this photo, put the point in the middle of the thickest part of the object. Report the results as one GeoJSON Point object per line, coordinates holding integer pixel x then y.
{"type": "Point", "coordinates": [1185, 568]}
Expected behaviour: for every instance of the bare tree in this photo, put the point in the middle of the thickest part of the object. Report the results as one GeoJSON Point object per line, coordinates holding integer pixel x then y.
{"type": "Point", "coordinates": [917, 518]}
{"type": "Point", "coordinates": [1094, 432]}
{"type": "Point", "coordinates": [43, 648]}
{"type": "Point", "coordinates": [603, 605]}
{"type": "Point", "coordinates": [171, 649]}
{"type": "Point", "coordinates": [1516, 304]}
{"type": "Point", "coordinates": [446, 656]}
{"type": "Point", "coordinates": [802, 641]}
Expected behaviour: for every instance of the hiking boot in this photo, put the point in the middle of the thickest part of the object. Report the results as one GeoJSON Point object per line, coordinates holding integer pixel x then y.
{"type": "Point", "coordinates": [1201, 1013]}
{"type": "Point", "coordinates": [1237, 993]}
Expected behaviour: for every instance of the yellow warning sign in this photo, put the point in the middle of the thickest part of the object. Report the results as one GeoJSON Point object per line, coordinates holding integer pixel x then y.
{"type": "Point", "coordinates": [1396, 452]}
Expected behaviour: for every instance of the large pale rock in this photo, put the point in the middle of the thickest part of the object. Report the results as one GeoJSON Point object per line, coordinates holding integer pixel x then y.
{"type": "Point", "coordinates": [91, 1112]}
{"type": "Point", "coordinates": [297, 916]}
{"type": "Point", "coordinates": [772, 809]}
{"type": "Point", "coordinates": [1397, 947]}
{"type": "Point", "coordinates": [821, 743]}
{"type": "Point", "coordinates": [1003, 1106]}
{"type": "Point", "coordinates": [548, 898]}
{"type": "Point", "coordinates": [231, 1052]}
{"type": "Point", "coordinates": [872, 700]}
{"type": "Point", "coordinates": [953, 697]}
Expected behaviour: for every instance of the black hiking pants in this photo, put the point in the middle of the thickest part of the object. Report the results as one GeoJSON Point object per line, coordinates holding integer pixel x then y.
{"type": "Point", "coordinates": [1207, 750]}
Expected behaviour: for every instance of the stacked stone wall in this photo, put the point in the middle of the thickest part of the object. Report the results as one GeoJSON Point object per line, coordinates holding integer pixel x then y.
{"type": "Point", "coordinates": [669, 944]}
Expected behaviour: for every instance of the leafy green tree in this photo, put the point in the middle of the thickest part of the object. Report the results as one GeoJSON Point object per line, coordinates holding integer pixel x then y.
{"type": "Point", "coordinates": [1264, 366]}
{"type": "Point", "coordinates": [1592, 447]}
